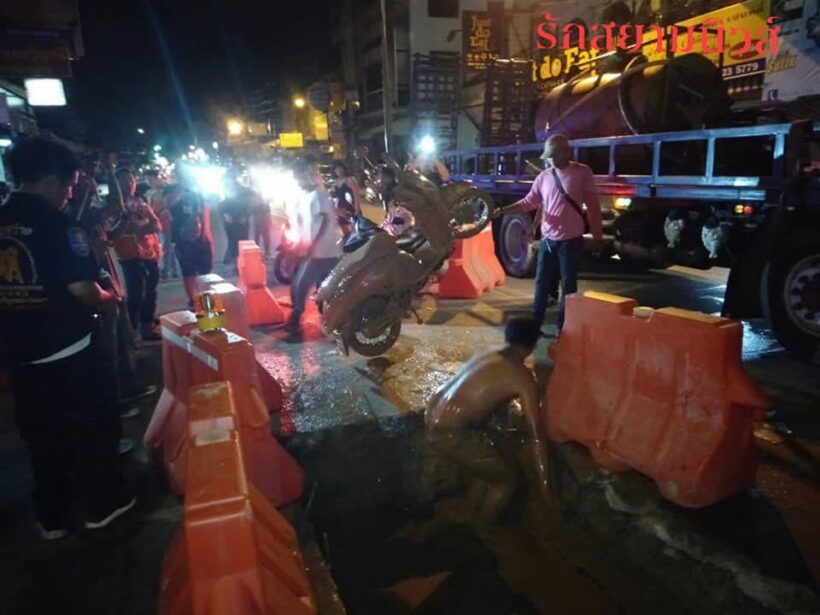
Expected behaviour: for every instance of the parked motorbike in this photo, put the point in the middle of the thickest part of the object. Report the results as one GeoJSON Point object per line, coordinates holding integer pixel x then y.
{"type": "Point", "coordinates": [370, 291]}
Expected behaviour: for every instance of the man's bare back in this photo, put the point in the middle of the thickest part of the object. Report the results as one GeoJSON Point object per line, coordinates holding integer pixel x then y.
{"type": "Point", "coordinates": [483, 385]}
{"type": "Point", "coordinates": [456, 413]}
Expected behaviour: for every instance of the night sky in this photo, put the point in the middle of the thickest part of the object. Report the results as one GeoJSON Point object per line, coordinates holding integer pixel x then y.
{"type": "Point", "coordinates": [221, 50]}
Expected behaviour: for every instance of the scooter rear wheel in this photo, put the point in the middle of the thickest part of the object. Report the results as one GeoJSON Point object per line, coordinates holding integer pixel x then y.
{"type": "Point", "coordinates": [284, 267]}
{"type": "Point", "coordinates": [470, 212]}
{"type": "Point", "coordinates": [366, 343]}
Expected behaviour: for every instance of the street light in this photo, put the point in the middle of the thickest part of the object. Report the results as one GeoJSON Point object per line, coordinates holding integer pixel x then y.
{"type": "Point", "coordinates": [299, 102]}
{"type": "Point", "coordinates": [215, 145]}
{"type": "Point", "coordinates": [141, 131]}
{"type": "Point", "coordinates": [234, 127]}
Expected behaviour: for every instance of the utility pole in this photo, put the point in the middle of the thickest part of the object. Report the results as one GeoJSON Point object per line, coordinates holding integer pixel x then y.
{"type": "Point", "coordinates": [387, 80]}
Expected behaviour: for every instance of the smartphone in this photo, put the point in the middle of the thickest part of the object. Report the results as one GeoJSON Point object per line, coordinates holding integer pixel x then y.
{"type": "Point", "coordinates": [102, 189]}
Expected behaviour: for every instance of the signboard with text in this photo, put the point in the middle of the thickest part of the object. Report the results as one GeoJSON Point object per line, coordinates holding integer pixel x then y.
{"type": "Point", "coordinates": [477, 40]}
{"type": "Point", "coordinates": [699, 34]}
{"type": "Point", "coordinates": [291, 140]}
{"type": "Point", "coordinates": [23, 59]}
{"type": "Point", "coordinates": [794, 70]}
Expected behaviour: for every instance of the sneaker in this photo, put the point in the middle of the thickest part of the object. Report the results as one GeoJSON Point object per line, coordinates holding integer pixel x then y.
{"type": "Point", "coordinates": [129, 412]}
{"type": "Point", "coordinates": [124, 447]}
{"type": "Point", "coordinates": [142, 393]}
{"type": "Point", "coordinates": [123, 506]}
{"type": "Point", "coordinates": [52, 534]}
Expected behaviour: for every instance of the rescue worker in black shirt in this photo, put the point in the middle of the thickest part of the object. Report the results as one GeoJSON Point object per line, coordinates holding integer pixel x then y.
{"type": "Point", "coordinates": [191, 243]}
{"type": "Point", "coordinates": [65, 400]}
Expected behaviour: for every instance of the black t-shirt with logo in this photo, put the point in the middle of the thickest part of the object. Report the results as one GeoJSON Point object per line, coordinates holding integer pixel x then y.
{"type": "Point", "coordinates": [188, 218]}
{"type": "Point", "coordinates": [42, 251]}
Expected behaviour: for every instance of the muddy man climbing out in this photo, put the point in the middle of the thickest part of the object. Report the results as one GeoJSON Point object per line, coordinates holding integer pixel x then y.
{"type": "Point", "coordinates": [457, 412]}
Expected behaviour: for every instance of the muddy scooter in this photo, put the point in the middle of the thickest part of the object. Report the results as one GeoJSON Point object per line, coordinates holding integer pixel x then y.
{"type": "Point", "coordinates": [370, 291]}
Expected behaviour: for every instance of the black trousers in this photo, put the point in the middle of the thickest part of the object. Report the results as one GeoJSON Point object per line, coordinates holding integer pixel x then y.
{"type": "Point", "coordinates": [235, 232]}
{"type": "Point", "coordinates": [117, 341]}
{"type": "Point", "coordinates": [141, 280]}
{"type": "Point", "coordinates": [66, 413]}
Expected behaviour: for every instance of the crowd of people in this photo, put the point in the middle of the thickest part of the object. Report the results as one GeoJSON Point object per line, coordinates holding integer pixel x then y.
{"type": "Point", "coordinates": [69, 320]}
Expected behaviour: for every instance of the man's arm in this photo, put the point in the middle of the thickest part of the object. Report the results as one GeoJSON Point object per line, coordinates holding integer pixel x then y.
{"type": "Point", "coordinates": [114, 193]}
{"type": "Point", "coordinates": [443, 171]}
{"type": "Point", "coordinates": [531, 406]}
{"type": "Point", "coordinates": [528, 203]}
{"type": "Point", "coordinates": [92, 295]}
{"type": "Point", "coordinates": [353, 183]}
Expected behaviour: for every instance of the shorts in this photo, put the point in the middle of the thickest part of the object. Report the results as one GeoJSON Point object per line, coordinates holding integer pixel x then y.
{"type": "Point", "coordinates": [195, 257]}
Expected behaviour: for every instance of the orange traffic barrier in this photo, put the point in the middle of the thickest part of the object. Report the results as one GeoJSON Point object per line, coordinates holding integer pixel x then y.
{"type": "Point", "coordinates": [262, 307]}
{"type": "Point", "coordinates": [203, 357]}
{"type": "Point", "coordinates": [473, 268]}
{"type": "Point", "coordinates": [171, 412]}
{"type": "Point", "coordinates": [236, 320]}
{"type": "Point", "coordinates": [662, 392]}
{"type": "Point", "coordinates": [235, 554]}
{"type": "Point", "coordinates": [232, 299]}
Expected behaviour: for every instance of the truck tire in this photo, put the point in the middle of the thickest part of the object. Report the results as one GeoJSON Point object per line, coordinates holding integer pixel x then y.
{"type": "Point", "coordinates": [516, 251]}
{"type": "Point", "coordinates": [791, 295]}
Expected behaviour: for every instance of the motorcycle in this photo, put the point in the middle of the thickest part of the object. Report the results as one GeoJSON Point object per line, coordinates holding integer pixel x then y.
{"type": "Point", "coordinates": [370, 291]}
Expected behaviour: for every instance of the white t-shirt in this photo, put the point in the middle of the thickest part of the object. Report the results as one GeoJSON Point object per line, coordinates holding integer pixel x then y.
{"type": "Point", "coordinates": [311, 206]}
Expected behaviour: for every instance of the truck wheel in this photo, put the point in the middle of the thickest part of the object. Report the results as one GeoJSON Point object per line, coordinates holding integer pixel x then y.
{"type": "Point", "coordinates": [791, 295]}
{"type": "Point", "coordinates": [516, 250]}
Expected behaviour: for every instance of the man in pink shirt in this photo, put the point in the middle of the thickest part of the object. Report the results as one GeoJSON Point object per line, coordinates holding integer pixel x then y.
{"type": "Point", "coordinates": [566, 198]}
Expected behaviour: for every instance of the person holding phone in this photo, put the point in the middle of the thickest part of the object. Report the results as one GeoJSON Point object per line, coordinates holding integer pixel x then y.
{"type": "Point", "coordinates": [569, 207]}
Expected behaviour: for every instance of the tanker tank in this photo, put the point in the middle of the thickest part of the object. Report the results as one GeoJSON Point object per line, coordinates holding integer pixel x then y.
{"type": "Point", "coordinates": [681, 93]}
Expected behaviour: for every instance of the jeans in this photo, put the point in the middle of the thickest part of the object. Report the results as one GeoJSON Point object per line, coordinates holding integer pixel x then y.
{"type": "Point", "coordinates": [66, 413]}
{"type": "Point", "coordinates": [556, 260]}
{"type": "Point", "coordinates": [169, 257]}
{"type": "Point", "coordinates": [310, 273]}
{"type": "Point", "coordinates": [141, 280]}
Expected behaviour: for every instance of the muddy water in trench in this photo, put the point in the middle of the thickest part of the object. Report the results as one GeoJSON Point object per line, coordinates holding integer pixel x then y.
{"type": "Point", "coordinates": [395, 558]}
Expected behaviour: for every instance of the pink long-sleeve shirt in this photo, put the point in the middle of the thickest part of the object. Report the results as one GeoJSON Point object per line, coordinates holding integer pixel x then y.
{"type": "Point", "coordinates": [559, 220]}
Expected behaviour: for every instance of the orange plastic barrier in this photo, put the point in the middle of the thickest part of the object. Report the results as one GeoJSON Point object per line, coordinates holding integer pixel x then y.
{"type": "Point", "coordinates": [473, 268]}
{"type": "Point", "coordinates": [662, 391]}
{"type": "Point", "coordinates": [204, 357]}
{"type": "Point", "coordinates": [236, 320]}
{"type": "Point", "coordinates": [171, 412]}
{"type": "Point", "coordinates": [235, 553]}
{"type": "Point", "coordinates": [262, 307]}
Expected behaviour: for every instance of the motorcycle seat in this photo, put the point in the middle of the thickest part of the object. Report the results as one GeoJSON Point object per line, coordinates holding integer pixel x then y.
{"type": "Point", "coordinates": [411, 242]}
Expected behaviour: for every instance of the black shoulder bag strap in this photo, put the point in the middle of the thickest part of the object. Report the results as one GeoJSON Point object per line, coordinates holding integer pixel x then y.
{"type": "Point", "coordinates": [569, 199]}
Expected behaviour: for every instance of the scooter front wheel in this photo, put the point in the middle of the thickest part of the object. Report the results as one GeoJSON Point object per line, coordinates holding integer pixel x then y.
{"type": "Point", "coordinates": [363, 339]}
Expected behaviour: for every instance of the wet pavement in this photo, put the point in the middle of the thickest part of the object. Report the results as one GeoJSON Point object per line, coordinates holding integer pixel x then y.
{"type": "Point", "coordinates": [325, 390]}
